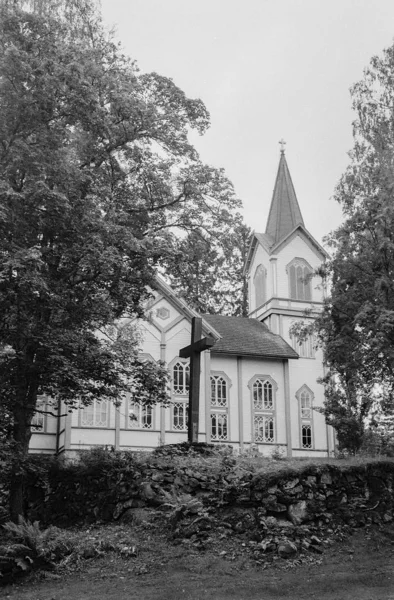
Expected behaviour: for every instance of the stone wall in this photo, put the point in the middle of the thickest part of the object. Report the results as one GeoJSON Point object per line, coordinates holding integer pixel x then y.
{"type": "Point", "coordinates": [111, 489]}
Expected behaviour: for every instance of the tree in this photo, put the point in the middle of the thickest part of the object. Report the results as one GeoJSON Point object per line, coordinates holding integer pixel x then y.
{"type": "Point", "coordinates": [357, 324]}
{"type": "Point", "coordinates": [207, 267]}
{"type": "Point", "coordinates": [96, 171]}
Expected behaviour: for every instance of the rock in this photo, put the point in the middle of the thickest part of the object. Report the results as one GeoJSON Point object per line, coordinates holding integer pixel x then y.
{"type": "Point", "coordinates": [287, 549]}
{"type": "Point", "coordinates": [298, 512]}
{"type": "Point", "coordinates": [89, 552]}
{"type": "Point", "coordinates": [326, 479]}
{"type": "Point", "coordinates": [290, 484]}
{"type": "Point", "coordinates": [298, 489]}
{"type": "Point", "coordinates": [271, 504]}
{"type": "Point", "coordinates": [138, 516]}
{"type": "Point", "coordinates": [315, 540]}
{"type": "Point", "coordinates": [387, 518]}
{"type": "Point", "coordinates": [198, 525]}
{"type": "Point", "coordinates": [147, 492]}
{"type": "Point", "coordinates": [285, 524]}
{"type": "Point", "coordinates": [271, 522]}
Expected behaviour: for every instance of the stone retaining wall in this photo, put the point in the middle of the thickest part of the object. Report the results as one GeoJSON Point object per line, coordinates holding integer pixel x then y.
{"type": "Point", "coordinates": [316, 493]}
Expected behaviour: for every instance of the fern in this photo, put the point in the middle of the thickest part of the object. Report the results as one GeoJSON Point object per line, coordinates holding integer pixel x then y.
{"type": "Point", "coordinates": [30, 535]}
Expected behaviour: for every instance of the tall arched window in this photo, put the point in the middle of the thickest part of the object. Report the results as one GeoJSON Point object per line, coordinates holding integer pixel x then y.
{"type": "Point", "coordinates": [263, 389]}
{"type": "Point", "coordinates": [181, 378]}
{"type": "Point", "coordinates": [219, 407]}
{"type": "Point", "coordinates": [260, 284]}
{"type": "Point", "coordinates": [305, 402]}
{"type": "Point", "coordinates": [180, 389]}
{"type": "Point", "coordinates": [300, 275]}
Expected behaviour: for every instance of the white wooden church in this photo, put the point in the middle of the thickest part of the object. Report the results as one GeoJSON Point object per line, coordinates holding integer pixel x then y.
{"type": "Point", "coordinates": [258, 385]}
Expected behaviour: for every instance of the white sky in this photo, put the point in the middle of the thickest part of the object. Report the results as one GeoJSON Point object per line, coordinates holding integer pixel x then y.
{"type": "Point", "coordinates": [265, 69]}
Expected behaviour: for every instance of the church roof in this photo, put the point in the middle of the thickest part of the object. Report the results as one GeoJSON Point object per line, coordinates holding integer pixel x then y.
{"type": "Point", "coordinates": [285, 213]}
{"type": "Point", "coordinates": [248, 337]}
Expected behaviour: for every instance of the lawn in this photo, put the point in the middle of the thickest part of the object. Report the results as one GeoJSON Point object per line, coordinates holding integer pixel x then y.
{"type": "Point", "coordinates": [144, 565]}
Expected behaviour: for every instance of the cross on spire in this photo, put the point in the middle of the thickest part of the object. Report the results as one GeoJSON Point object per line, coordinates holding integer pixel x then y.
{"type": "Point", "coordinates": [282, 145]}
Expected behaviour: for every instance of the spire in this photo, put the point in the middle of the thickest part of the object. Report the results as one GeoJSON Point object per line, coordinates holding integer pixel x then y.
{"type": "Point", "coordinates": [285, 213]}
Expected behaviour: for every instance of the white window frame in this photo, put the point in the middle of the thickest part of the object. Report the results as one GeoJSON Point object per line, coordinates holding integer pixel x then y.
{"type": "Point", "coordinates": [260, 271]}
{"type": "Point", "coordinates": [180, 390]}
{"type": "Point", "coordinates": [303, 292]}
{"type": "Point", "coordinates": [305, 416]}
{"type": "Point", "coordinates": [219, 406]}
{"type": "Point", "coordinates": [177, 404]}
{"type": "Point", "coordinates": [144, 414]}
{"type": "Point", "coordinates": [265, 414]}
{"type": "Point", "coordinates": [90, 416]}
{"type": "Point", "coordinates": [39, 420]}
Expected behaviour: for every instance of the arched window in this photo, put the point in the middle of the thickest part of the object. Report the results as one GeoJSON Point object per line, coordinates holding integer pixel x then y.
{"type": "Point", "coordinates": [180, 389]}
{"type": "Point", "coordinates": [181, 378]}
{"type": "Point", "coordinates": [300, 275]}
{"type": "Point", "coordinates": [260, 279]}
{"type": "Point", "coordinates": [140, 415]}
{"type": "Point", "coordinates": [180, 416]}
{"type": "Point", "coordinates": [305, 402]}
{"type": "Point", "coordinates": [263, 389]}
{"type": "Point", "coordinates": [262, 395]}
{"type": "Point", "coordinates": [219, 407]}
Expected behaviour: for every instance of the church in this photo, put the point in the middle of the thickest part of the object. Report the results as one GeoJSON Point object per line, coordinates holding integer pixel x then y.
{"type": "Point", "coordinates": [258, 386]}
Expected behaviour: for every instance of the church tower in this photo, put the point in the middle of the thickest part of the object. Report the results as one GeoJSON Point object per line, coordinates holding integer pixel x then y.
{"type": "Point", "coordinates": [284, 289]}
{"type": "Point", "coordinates": [282, 261]}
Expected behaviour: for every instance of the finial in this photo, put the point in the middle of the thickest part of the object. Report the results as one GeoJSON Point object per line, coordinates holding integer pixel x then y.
{"type": "Point", "coordinates": [282, 145]}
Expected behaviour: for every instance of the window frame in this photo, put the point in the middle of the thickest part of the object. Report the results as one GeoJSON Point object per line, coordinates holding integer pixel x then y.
{"type": "Point", "coordinates": [42, 404]}
{"type": "Point", "coordinates": [130, 422]}
{"type": "Point", "coordinates": [216, 410]}
{"type": "Point", "coordinates": [185, 362]}
{"type": "Point", "coordinates": [94, 425]}
{"type": "Point", "coordinates": [264, 413]}
{"type": "Point", "coordinates": [304, 421]}
{"type": "Point", "coordinates": [260, 270]}
{"type": "Point", "coordinates": [306, 285]}
{"type": "Point", "coordinates": [185, 404]}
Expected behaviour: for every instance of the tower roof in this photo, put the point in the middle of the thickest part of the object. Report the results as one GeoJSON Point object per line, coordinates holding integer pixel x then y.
{"type": "Point", "coordinates": [285, 213]}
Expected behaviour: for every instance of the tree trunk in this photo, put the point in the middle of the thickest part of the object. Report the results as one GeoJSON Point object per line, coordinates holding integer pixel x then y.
{"type": "Point", "coordinates": [22, 436]}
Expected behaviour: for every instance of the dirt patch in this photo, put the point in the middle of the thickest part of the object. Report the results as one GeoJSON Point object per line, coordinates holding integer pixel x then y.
{"type": "Point", "coordinates": [356, 565]}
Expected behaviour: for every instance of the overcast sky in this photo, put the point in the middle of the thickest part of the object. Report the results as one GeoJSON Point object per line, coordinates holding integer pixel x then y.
{"type": "Point", "coordinates": [265, 69]}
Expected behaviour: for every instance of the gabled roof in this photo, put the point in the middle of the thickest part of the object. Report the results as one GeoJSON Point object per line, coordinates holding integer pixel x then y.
{"type": "Point", "coordinates": [285, 213]}
{"type": "Point", "coordinates": [268, 244]}
{"type": "Point", "coordinates": [299, 229]}
{"type": "Point", "coordinates": [162, 287]}
{"type": "Point", "coordinates": [248, 337]}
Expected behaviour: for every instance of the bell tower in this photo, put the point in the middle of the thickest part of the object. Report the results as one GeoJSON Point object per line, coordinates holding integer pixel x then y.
{"type": "Point", "coordinates": [282, 261]}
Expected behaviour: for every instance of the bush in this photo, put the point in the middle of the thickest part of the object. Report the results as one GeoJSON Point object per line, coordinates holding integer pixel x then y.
{"type": "Point", "coordinates": [28, 547]}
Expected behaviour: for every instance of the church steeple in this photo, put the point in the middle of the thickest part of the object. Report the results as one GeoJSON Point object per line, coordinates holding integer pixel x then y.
{"type": "Point", "coordinates": [285, 213]}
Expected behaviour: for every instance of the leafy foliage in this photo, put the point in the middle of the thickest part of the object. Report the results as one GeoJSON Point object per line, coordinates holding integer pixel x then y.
{"type": "Point", "coordinates": [97, 176]}
{"type": "Point", "coordinates": [207, 268]}
{"type": "Point", "coordinates": [357, 324]}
